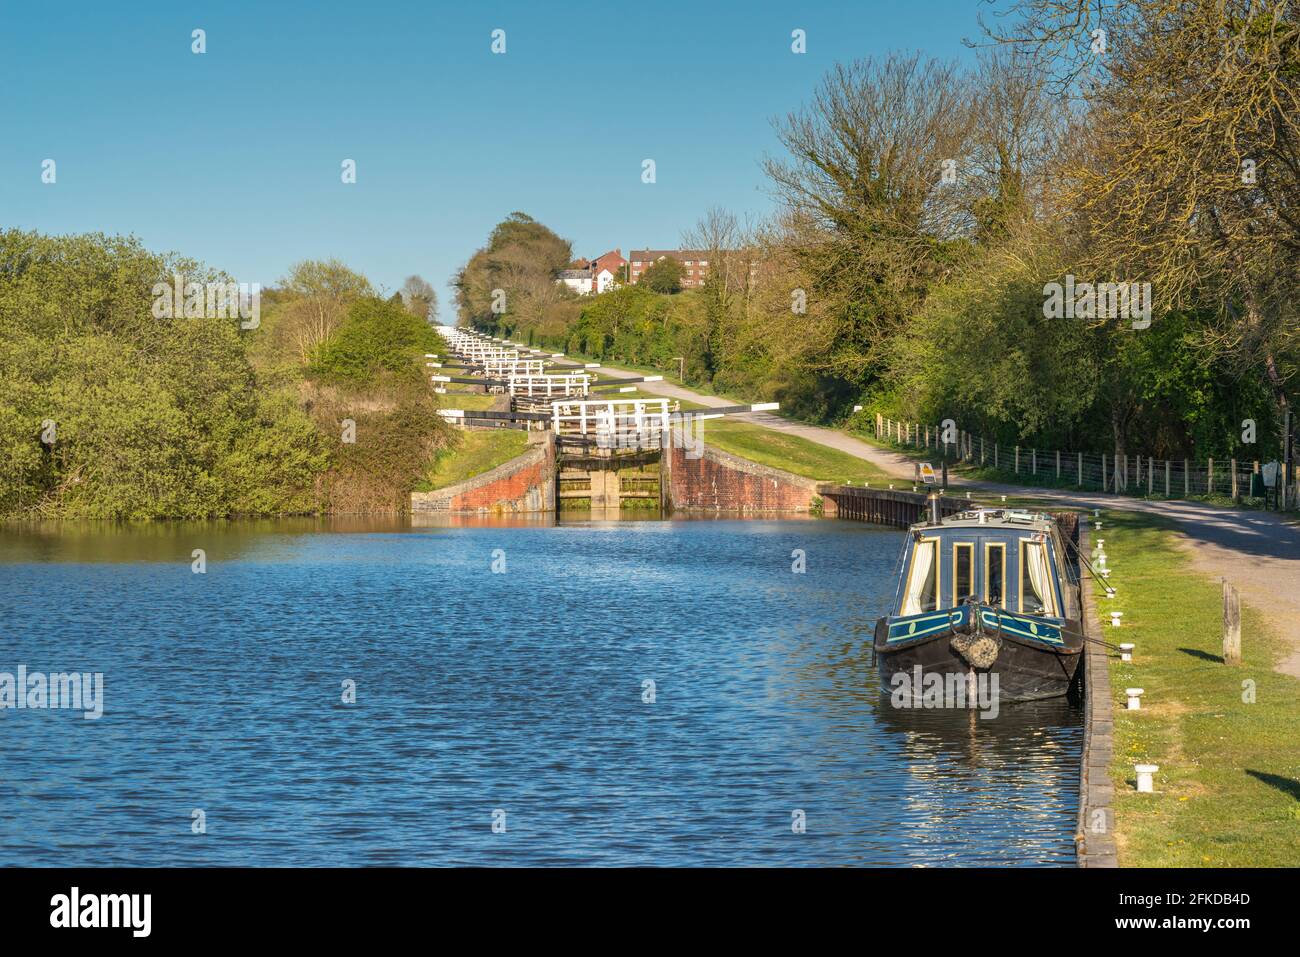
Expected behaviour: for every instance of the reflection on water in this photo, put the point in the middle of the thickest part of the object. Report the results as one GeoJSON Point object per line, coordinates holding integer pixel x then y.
{"type": "Point", "coordinates": [523, 690]}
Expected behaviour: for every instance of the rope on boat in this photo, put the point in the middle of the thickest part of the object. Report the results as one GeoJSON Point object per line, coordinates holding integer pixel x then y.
{"type": "Point", "coordinates": [1087, 563]}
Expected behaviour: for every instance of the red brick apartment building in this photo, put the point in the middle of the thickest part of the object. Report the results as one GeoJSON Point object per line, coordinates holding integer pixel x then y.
{"type": "Point", "coordinates": [695, 264]}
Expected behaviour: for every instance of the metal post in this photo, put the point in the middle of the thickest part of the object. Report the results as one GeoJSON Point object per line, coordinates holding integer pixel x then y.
{"type": "Point", "coordinates": [1103, 471]}
{"type": "Point", "coordinates": [1151, 471]}
{"type": "Point", "coordinates": [1187, 482]}
{"type": "Point", "coordinates": [1166, 478]}
{"type": "Point", "coordinates": [1080, 470]}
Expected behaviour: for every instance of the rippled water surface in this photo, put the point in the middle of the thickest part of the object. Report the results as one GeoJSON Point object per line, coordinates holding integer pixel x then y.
{"type": "Point", "coordinates": [521, 692]}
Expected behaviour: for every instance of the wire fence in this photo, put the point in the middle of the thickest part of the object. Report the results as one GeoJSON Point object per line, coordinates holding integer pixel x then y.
{"type": "Point", "coordinates": [1121, 474]}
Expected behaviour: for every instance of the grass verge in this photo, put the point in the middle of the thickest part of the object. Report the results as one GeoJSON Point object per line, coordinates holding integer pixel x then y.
{"type": "Point", "coordinates": [477, 401]}
{"type": "Point", "coordinates": [789, 452]}
{"type": "Point", "coordinates": [474, 454]}
{"type": "Point", "coordinates": [1228, 789]}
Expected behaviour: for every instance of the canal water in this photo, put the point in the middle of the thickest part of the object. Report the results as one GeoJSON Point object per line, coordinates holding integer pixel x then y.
{"type": "Point", "coordinates": [501, 717]}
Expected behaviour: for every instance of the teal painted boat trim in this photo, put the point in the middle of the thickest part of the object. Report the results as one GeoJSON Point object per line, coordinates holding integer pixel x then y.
{"type": "Point", "coordinates": [927, 623]}
{"type": "Point", "coordinates": [1029, 628]}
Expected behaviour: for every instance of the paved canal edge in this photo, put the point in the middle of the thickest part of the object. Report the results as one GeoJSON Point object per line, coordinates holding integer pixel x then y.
{"type": "Point", "coordinates": [1094, 836]}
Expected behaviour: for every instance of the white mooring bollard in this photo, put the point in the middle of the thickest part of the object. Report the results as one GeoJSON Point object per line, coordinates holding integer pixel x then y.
{"type": "Point", "coordinates": [1144, 772]}
{"type": "Point", "coordinates": [1134, 698]}
{"type": "Point", "coordinates": [1115, 616]}
{"type": "Point", "coordinates": [1110, 593]}
{"type": "Point", "coordinates": [1096, 513]}
{"type": "Point", "coordinates": [1098, 524]}
{"type": "Point", "coordinates": [1126, 651]}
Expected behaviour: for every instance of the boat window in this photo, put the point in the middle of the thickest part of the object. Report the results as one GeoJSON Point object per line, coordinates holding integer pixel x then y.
{"type": "Point", "coordinates": [995, 575]}
{"type": "Point", "coordinates": [1035, 579]}
{"type": "Point", "coordinates": [923, 579]}
{"type": "Point", "coordinates": [963, 572]}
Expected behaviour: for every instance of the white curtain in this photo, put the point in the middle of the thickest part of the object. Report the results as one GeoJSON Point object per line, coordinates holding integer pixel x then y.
{"type": "Point", "coordinates": [1036, 557]}
{"type": "Point", "coordinates": [922, 560]}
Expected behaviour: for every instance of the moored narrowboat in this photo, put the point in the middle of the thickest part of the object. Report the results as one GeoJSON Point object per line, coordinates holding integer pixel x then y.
{"type": "Point", "coordinates": [986, 593]}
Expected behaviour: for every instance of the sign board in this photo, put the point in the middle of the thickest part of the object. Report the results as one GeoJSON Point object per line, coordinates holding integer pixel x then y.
{"type": "Point", "coordinates": [1270, 471]}
{"type": "Point", "coordinates": [927, 473]}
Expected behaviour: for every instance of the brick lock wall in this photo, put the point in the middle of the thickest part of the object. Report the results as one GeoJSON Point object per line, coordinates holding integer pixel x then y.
{"type": "Point", "coordinates": [524, 484]}
{"type": "Point", "coordinates": [724, 482]}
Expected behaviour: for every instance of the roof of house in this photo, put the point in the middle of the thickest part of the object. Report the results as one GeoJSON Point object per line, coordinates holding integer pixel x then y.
{"type": "Point", "coordinates": [613, 254]}
{"type": "Point", "coordinates": [653, 255]}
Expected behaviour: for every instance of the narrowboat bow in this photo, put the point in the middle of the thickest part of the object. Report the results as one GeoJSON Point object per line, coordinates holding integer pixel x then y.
{"type": "Point", "coordinates": [985, 592]}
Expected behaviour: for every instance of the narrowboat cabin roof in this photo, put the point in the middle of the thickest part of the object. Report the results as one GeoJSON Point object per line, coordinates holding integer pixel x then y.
{"type": "Point", "coordinates": [991, 519]}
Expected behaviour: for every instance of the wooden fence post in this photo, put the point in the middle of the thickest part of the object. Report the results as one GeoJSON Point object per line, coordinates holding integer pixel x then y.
{"type": "Point", "coordinates": [1058, 465]}
{"type": "Point", "coordinates": [1209, 477]}
{"type": "Point", "coordinates": [1233, 465]}
{"type": "Point", "coordinates": [1033, 461]}
{"type": "Point", "coordinates": [981, 450]}
{"type": "Point", "coordinates": [1103, 471]}
{"type": "Point", "coordinates": [1166, 478]}
{"type": "Point", "coordinates": [1017, 460]}
{"type": "Point", "coordinates": [1231, 625]}
{"type": "Point", "coordinates": [1151, 471]}
{"type": "Point", "coordinates": [995, 455]}
{"type": "Point", "coordinates": [1187, 486]}
{"type": "Point", "coordinates": [1080, 454]}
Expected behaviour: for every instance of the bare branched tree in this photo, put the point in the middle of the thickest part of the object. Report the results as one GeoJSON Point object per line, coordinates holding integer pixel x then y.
{"type": "Point", "coordinates": [419, 298]}
{"type": "Point", "coordinates": [323, 291]}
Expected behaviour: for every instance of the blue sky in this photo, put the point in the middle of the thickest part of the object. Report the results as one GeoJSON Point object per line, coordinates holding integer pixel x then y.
{"type": "Point", "coordinates": [233, 157]}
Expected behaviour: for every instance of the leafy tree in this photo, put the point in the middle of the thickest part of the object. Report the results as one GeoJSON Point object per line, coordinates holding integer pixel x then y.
{"type": "Point", "coordinates": [375, 337]}
{"type": "Point", "coordinates": [664, 276]}
{"type": "Point", "coordinates": [150, 417]}
{"type": "Point", "coordinates": [322, 290]}
{"type": "Point", "coordinates": [510, 282]}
